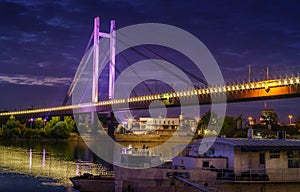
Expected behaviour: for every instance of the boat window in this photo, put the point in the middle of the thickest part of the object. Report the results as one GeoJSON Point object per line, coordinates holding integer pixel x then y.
{"type": "Point", "coordinates": [205, 163]}
{"type": "Point", "coordinates": [262, 159]}
{"type": "Point", "coordinates": [274, 154]}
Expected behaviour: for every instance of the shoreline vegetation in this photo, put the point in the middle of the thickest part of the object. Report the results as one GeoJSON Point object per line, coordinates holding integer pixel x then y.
{"type": "Point", "coordinates": [39, 129]}
{"type": "Point", "coordinates": [57, 129]}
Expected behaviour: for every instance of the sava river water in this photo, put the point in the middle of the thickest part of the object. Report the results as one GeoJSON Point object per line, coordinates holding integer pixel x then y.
{"type": "Point", "coordinates": [45, 165]}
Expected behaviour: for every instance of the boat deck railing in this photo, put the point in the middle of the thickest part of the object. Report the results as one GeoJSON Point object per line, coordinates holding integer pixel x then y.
{"type": "Point", "coordinates": [266, 175]}
{"type": "Point", "coordinates": [83, 167]}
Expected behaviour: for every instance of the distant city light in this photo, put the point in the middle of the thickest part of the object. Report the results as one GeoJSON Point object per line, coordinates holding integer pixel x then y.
{"type": "Point", "coordinates": [290, 117]}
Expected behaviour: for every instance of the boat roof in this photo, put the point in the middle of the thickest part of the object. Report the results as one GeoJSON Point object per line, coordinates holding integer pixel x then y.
{"type": "Point", "coordinates": [254, 144]}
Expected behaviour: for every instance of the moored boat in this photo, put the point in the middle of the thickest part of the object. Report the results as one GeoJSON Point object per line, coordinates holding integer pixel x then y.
{"type": "Point", "coordinates": [93, 183]}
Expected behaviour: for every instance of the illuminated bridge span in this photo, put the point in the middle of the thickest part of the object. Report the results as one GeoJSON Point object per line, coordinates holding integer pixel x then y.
{"type": "Point", "coordinates": [268, 89]}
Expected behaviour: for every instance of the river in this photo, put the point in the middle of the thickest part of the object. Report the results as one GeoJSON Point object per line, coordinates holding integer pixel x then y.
{"type": "Point", "coordinates": [45, 165]}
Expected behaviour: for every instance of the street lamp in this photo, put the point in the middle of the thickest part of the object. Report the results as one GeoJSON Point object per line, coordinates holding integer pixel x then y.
{"type": "Point", "coordinates": [45, 120]}
{"type": "Point", "coordinates": [31, 120]}
{"type": "Point", "coordinates": [290, 117]}
{"type": "Point", "coordinates": [250, 120]}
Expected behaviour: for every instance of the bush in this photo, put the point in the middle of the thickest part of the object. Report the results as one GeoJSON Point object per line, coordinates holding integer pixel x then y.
{"type": "Point", "coordinates": [61, 130]}
{"type": "Point", "coordinates": [31, 134]}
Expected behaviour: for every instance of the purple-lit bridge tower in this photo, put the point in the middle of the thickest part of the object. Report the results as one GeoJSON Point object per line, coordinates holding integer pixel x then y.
{"type": "Point", "coordinates": [112, 64]}
{"type": "Point", "coordinates": [112, 59]}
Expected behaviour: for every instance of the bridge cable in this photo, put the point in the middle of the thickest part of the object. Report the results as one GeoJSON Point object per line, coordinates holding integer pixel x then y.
{"type": "Point", "coordinates": [189, 73]}
{"type": "Point", "coordinates": [144, 83]}
{"type": "Point", "coordinates": [78, 73]}
{"type": "Point", "coordinates": [164, 68]}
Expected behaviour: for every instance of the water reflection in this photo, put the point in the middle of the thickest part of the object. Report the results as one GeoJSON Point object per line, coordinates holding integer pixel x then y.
{"type": "Point", "coordinates": [59, 161]}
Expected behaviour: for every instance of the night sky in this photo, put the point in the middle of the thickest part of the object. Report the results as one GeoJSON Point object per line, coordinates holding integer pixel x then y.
{"type": "Point", "coordinates": [42, 43]}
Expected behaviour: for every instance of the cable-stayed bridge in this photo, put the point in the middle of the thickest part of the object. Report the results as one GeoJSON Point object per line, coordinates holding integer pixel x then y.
{"type": "Point", "coordinates": [285, 87]}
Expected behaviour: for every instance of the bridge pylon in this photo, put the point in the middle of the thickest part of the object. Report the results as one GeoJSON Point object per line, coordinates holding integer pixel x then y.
{"type": "Point", "coordinates": [112, 55]}
{"type": "Point", "coordinates": [112, 65]}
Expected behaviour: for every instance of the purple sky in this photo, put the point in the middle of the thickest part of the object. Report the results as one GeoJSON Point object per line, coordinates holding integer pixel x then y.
{"type": "Point", "coordinates": [42, 42]}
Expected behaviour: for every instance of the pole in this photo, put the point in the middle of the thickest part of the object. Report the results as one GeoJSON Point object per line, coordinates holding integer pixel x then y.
{"type": "Point", "coordinates": [249, 73]}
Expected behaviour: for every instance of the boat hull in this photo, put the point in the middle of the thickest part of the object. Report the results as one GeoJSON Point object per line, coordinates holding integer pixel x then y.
{"type": "Point", "coordinates": [93, 185]}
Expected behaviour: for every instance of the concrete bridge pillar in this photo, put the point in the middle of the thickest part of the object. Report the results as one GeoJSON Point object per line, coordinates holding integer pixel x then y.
{"type": "Point", "coordinates": [111, 125]}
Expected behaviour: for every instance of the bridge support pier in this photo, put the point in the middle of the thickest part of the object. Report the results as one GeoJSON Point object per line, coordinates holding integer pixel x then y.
{"type": "Point", "coordinates": [111, 124]}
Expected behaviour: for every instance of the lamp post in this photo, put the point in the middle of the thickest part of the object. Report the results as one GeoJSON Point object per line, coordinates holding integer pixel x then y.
{"type": "Point", "coordinates": [45, 120]}
{"type": "Point", "coordinates": [250, 120]}
{"type": "Point", "coordinates": [31, 121]}
{"type": "Point", "coordinates": [290, 117]}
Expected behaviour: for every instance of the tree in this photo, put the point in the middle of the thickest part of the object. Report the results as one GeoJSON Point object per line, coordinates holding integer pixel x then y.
{"type": "Point", "coordinates": [12, 122]}
{"type": "Point", "coordinates": [70, 122]}
{"type": "Point", "coordinates": [52, 122]}
{"type": "Point", "coordinates": [229, 126]}
{"type": "Point", "coordinates": [61, 130]}
{"type": "Point", "coordinates": [13, 127]}
{"type": "Point", "coordinates": [38, 123]}
{"type": "Point", "coordinates": [269, 116]}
